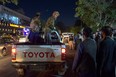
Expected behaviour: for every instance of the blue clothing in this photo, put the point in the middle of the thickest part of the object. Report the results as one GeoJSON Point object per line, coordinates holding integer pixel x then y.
{"type": "Point", "coordinates": [35, 37]}
{"type": "Point", "coordinates": [106, 58]}
{"type": "Point", "coordinates": [84, 61]}
{"type": "Point", "coordinates": [77, 41]}
{"type": "Point", "coordinates": [48, 37]}
{"type": "Point", "coordinates": [76, 38]}
{"type": "Point", "coordinates": [78, 55]}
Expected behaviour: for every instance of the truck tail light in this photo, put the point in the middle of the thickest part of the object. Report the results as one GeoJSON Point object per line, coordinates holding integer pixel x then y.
{"type": "Point", "coordinates": [13, 53]}
{"type": "Point", "coordinates": [63, 55]}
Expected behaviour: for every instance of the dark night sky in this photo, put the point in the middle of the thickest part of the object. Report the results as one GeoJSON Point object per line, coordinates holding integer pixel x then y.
{"type": "Point", "coordinates": [46, 7]}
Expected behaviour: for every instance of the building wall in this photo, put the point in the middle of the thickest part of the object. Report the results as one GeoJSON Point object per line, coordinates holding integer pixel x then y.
{"type": "Point", "coordinates": [9, 16]}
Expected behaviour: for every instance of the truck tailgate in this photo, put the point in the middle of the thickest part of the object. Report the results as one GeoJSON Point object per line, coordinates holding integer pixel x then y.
{"type": "Point", "coordinates": [38, 53]}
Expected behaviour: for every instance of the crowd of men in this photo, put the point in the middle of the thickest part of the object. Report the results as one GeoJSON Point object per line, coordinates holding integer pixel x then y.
{"type": "Point", "coordinates": [96, 57]}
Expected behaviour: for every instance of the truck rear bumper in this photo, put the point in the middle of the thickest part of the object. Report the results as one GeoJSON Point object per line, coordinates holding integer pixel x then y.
{"type": "Point", "coordinates": [39, 65]}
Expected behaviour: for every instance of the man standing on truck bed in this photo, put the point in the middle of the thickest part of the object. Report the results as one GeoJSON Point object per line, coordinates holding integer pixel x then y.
{"type": "Point", "coordinates": [50, 25]}
{"type": "Point", "coordinates": [35, 24]}
{"type": "Point", "coordinates": [36, 27]}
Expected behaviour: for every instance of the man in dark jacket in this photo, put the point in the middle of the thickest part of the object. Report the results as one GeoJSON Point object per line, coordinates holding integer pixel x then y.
{"type": "Point", "coordinates": [85, 57]}
{"type": "Point", "coordinates": [106, 56]}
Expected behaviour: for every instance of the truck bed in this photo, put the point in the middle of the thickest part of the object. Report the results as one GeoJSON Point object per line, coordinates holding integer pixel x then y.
{"type": "Point", "coordinates": [44, 43]}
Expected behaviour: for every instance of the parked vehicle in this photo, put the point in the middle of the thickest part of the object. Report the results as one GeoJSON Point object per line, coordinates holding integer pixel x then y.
{"type": "Point", "coordinates": [65, 37]}
{"type": "Point", "coordinates": [22, 39]}
{"type": "Point", "coordinates": [6, 45]}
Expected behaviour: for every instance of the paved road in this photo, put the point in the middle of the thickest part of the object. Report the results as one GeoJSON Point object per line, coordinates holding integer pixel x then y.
{"type": "Point", "coordinates": [7, 70]}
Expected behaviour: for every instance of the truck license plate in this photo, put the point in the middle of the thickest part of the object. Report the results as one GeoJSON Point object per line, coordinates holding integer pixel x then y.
{"type": "Point", "coordinates": [37, 68]}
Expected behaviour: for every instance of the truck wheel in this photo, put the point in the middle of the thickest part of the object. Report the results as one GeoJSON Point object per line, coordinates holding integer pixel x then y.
{"type": "Point", "coordinates": [4, 52]}
{"type": "Point", "coordinates": [21, 72]}
{"type": "Point", "coordinates": [62, 70]}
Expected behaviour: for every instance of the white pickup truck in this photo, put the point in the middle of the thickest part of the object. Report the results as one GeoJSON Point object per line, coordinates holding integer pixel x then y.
{"type": "Point", "coordinates": [40, 56]}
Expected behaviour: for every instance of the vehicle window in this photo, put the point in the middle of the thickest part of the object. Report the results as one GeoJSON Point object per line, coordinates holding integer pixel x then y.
{"type": "Point", "coordinates": [22, 36]}
{"type": "Point", "coordinates": [54, 35]}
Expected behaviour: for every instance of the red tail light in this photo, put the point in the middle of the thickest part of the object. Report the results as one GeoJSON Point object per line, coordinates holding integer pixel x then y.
{"type": "Point", "coordinates": [63, 55]}
{"type": "Point", "coordinates": [13, 54]}
{"type": "Point", "coordinates": [63, 50]}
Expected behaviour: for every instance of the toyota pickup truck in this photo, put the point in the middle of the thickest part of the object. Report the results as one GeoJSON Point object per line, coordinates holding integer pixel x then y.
{"type": "Point", "coordinates": [40, 56]}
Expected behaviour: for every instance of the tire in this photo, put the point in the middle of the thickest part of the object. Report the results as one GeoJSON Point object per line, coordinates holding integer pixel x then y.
{"type": "Point", "coordinates": [21, 72]}
{"type": "Point", "coordinates": [4, 52]}
{"type": "Point", "coordinates": [62, 70]}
